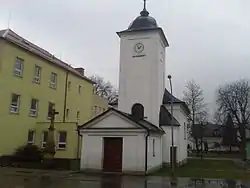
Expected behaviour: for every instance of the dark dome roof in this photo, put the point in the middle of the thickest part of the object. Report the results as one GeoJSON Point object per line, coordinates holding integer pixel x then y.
{"type": "Point", "coordinates": [144, 21]}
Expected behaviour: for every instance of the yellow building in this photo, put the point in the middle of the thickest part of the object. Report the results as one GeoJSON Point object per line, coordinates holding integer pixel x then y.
{"type": "Point", "coordinates": [32, 82]}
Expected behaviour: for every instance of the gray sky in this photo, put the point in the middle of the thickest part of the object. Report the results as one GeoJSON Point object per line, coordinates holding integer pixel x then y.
{"type": "Point", "coordinates": [209, 39]}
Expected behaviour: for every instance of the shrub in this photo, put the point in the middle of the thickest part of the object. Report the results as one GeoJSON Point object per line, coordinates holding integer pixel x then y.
{"type": "Point", "coordinates": [28, 153]}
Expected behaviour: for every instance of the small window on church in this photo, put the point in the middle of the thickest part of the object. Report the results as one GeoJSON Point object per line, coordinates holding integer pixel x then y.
{"type": "Point", "coordinates": [185, 131]}
{"type": "Point", "coordinates": [153, 147]}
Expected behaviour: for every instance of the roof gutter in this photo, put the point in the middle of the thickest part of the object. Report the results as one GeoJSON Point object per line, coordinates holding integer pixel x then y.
{"type": "Point", "coordinates": [65, 96]}
{"type": "Point", "coordinates": [79, 139]}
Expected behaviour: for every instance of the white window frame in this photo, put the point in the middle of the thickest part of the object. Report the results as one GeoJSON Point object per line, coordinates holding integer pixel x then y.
{"type": "Point", "coordinates": [17, 71]}
{"type": "Point", "coordinates": [14, 108]}
{"type": "Point", "coordinates": [61, 143]}
{"type": "Point", "coordinates": [33, 112]}
{"type": "Point", "coordinates": [37, 77]}
{"type": "Point", "coordinates": [53, 83]}
{"type": "Point", "coordinates": [33, 137]}
{"type": "Point", "coordinates": [43, 143]}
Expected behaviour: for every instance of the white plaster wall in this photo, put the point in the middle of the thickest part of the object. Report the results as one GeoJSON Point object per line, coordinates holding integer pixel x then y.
{"type": "Point", "coordinates": [179, 139]}
{"type": "Point", "coordinates": [91, 156]}
{"type": "Point", "coordinates": [167, 143]}
{"type": "Point", "coordinates": [154, 160]}
{"type": "Point", "coordinates": [133, 150]}
{"type": "Point", "coordinates": [113, 120]}
{"type": "Point", "coordinates": [141, 79]}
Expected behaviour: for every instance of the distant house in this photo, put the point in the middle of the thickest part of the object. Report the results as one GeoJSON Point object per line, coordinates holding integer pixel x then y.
{"type": "Point", "coordinates": [212, 133]}
{"type": "Point", "coordinates": [248, 142]}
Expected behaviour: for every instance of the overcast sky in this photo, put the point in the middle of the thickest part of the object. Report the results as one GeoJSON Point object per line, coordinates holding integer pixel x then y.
{"type": "Point", "coordinates": [209, 39]}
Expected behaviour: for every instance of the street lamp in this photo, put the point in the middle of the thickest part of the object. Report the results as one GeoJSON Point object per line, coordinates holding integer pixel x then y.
{"type": "Point", "coordinates": [173, 182]}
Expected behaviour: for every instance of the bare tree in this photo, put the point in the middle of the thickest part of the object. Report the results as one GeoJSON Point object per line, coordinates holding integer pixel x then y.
{"type": "Point", "coordinates": [104, 89]}
{"type": "Point", "coordinates": [193, 96]}
{"type": "Point", "coordinates": [219, 117]}
{"type": "Point", "coordinates": [233, 98]}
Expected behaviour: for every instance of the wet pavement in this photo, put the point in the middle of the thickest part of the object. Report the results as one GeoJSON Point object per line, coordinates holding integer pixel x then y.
{"type": "Point", "coordinates": [83, 181]}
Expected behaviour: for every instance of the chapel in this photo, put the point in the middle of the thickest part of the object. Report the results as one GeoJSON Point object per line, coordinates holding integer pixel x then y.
{"type": "Point", "coordinates": [135, 136]}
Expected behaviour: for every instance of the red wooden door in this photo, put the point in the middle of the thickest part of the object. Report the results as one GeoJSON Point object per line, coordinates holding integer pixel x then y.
{"type": "Point", "coordinates": [112, 159]}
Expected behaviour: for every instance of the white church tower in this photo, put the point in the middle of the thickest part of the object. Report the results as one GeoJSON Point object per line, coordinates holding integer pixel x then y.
{"type": "Point", "coordinates": [142, 66]}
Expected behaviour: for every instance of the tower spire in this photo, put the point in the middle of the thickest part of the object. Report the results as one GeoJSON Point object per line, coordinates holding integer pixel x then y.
{"type": "Point", "coordinates": [144, 12]}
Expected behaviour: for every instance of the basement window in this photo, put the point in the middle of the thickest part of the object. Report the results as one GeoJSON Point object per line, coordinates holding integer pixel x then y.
{"type": "Point", "coordinates": [31, 137]}
{"type": "Point", "coordinates": [44, 139]}
{"type": "Point", "coordinates": [62, 137]}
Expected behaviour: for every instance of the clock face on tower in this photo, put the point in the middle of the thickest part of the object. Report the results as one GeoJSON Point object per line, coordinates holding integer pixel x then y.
{"type": "Point", "coordinates": [139, 47]}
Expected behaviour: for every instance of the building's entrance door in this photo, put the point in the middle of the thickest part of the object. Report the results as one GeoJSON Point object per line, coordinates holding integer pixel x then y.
{"type": "Point", "coordinates": [112, 159]}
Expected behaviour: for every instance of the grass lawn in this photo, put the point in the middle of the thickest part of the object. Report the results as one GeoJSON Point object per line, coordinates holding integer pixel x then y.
{"type": "Point", "coordinates": [217, 155]}
{"type": "Point", "coordinates": [196, 168]}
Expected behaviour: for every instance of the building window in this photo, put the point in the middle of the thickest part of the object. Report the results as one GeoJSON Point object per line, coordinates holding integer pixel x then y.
{"type": "Point", "coordinates": [78, 115]}
{"type": "Point", "coordinates": [33, 107]}
{"type": "Point", "coordinates": [69, 85]}
{"type": "Point", "coordinates": [53, 80]}
{"type": "Point", "coordinates": [19, 67]}
{"type": "Point", "coordinates": [153, 147]}
{"type": "Point", "coordinates": [185, 131]}
{"type": "Point", "coordinates": [31, 137]}
{"type": "Point", "coordinates": [79, 89]}
{"type": "Point", "coordinates": [37, 74]}
{"type": "Point", "coordinates": [44, 139]}
{"type": "Point", "coordinates": [62, 137]}
{"type": "Point", "coordinates": [67, 113]}
{"type": "Point", "coordinates": [15, 102]}
{"type": "Point", "coordinates": [50, 109]}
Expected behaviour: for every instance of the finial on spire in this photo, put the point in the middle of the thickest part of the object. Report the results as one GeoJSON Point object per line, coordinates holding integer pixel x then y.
{"type": "Point", "coordinates": [145, 2]}
{"type": "Point", "coordinates": [144, 12]}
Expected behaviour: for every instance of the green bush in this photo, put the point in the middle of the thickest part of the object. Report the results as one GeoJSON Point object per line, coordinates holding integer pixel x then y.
{"type": "Point", "coordinates": [28, 153]}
